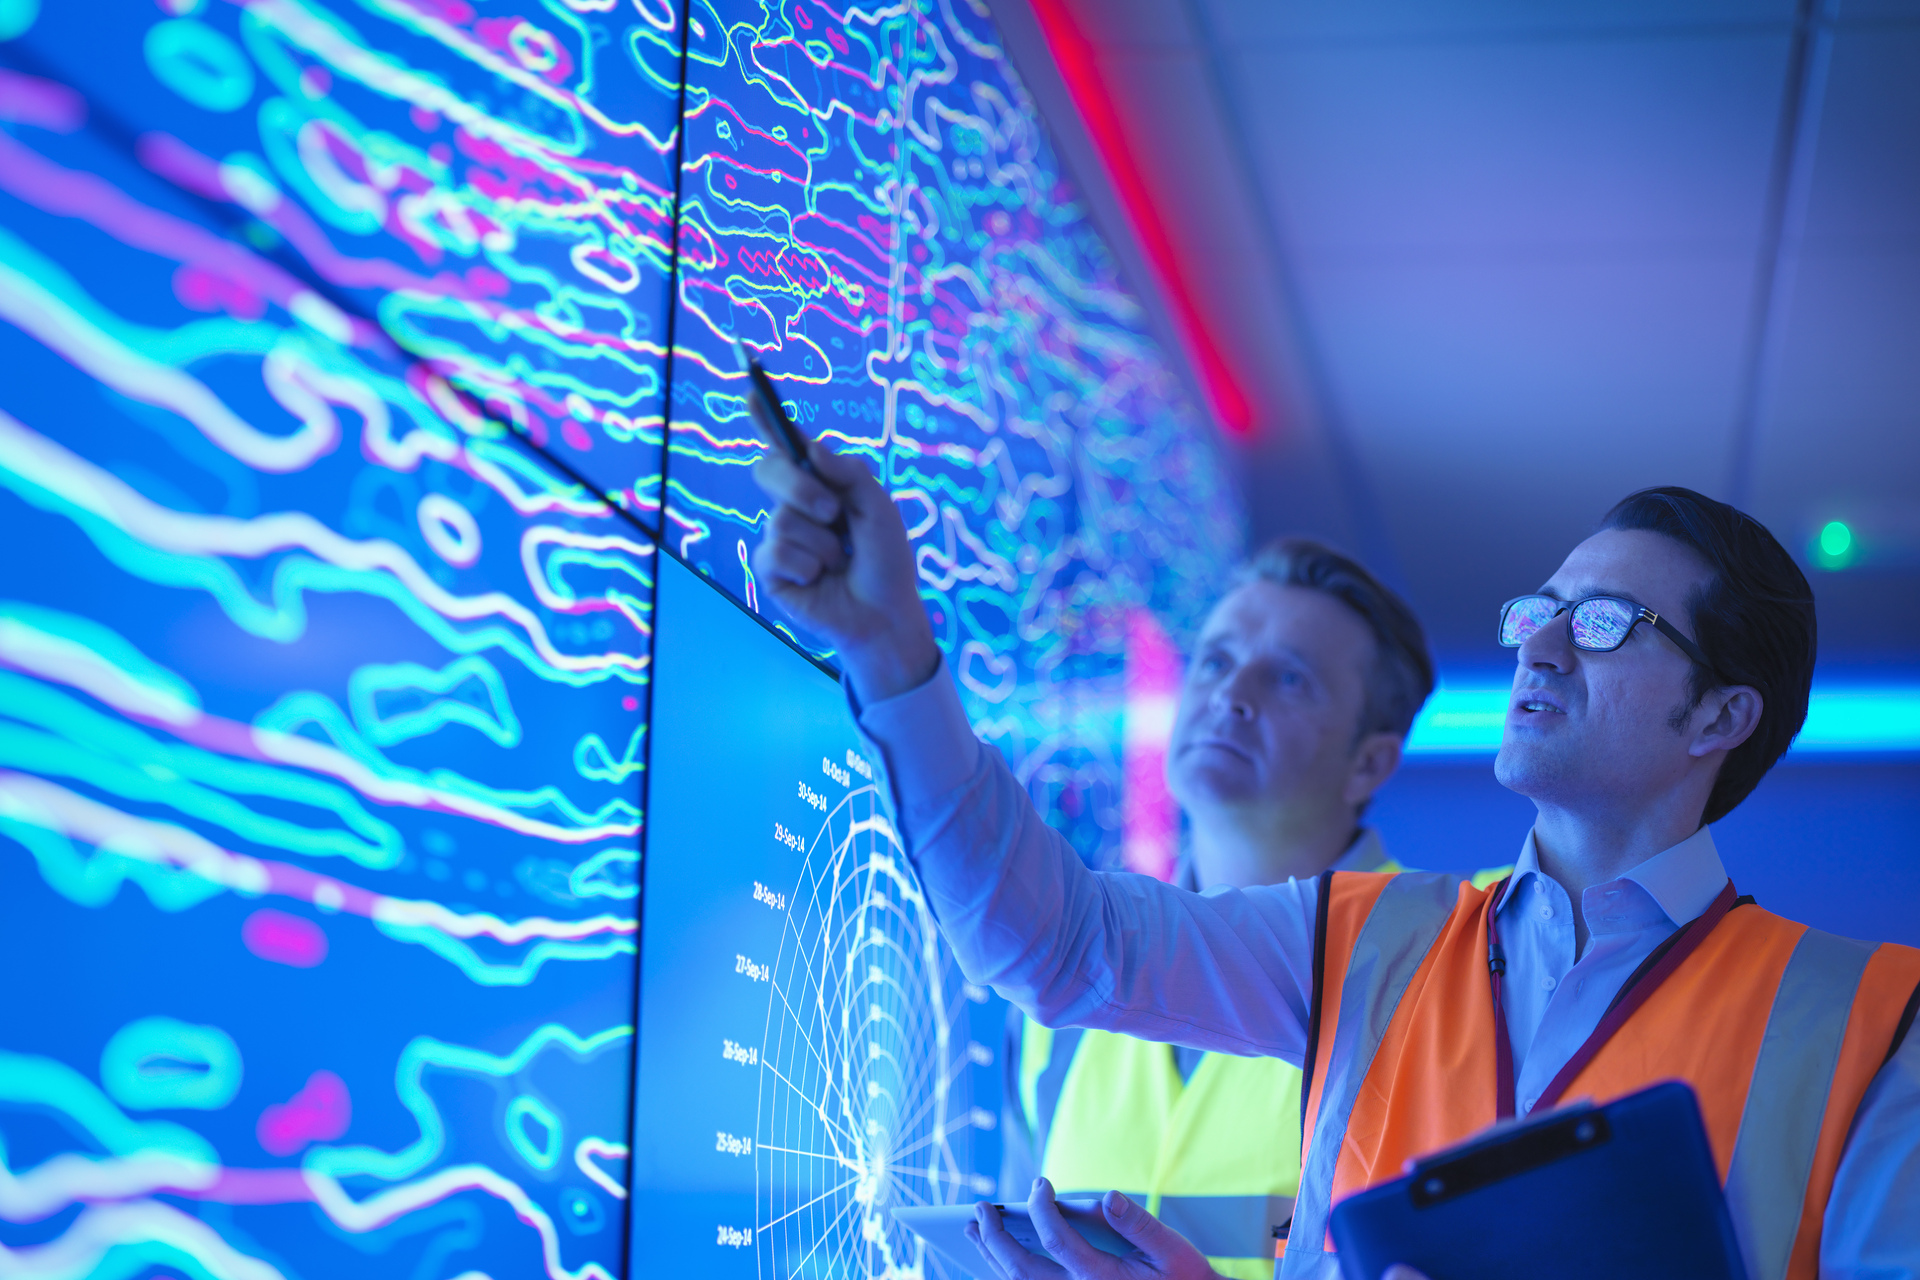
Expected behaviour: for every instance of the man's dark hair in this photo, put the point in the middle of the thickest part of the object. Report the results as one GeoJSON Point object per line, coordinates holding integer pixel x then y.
{"type": "Point", "coordinates": [1402, 675]}
{"type": "Point", "coordinates": [1753, 619]}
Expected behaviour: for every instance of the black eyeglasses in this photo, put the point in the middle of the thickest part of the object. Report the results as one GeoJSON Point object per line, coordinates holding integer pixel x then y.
{"type": "Point", "coordinates": [1599, 624]}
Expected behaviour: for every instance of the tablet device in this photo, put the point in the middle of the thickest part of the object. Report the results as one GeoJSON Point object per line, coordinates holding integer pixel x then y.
{"type": "Point", "coordinates": [944, 1228]}
{"type": "Point", "coordinates": [1627, 1189]}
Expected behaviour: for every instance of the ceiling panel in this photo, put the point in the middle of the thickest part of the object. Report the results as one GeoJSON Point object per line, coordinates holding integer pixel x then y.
{"type": "Point", "coordinates": [1514, 249]}
{"type": "Point", "coordinates": [1293, 471]}
{"type": "Point", "coordinates": [1257, 21]}
{"type": "Point", "coordinates": [1512, 146]}
{"type": "Point", "coordinates": [1500, 407]}
{"type": "Point", "coordinates": [1865, 186]}
{"type": "Point", "coordinates": [1875, 10]}
{"type": "Point", "coordinates": [1841, 437]}
{"type": "Point", "coordinates": [1218, 239]}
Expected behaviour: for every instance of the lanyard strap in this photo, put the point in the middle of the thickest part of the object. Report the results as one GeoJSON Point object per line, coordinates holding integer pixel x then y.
{"type": "Point", "coordinates": [1502, 1042]}
{"type": "Point", "coordinates": [1638, 988]}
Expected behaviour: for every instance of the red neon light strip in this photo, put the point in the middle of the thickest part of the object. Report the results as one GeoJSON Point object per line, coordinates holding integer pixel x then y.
{"type": "Point", "coordinates": [1078, 68]}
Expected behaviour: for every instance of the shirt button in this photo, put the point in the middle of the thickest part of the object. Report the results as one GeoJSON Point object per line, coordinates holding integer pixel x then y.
{"type": "Point", "coordinates": [1529, 1104]}
{"type": "Point", "coordinates": [1547, 983]}
{"type": "Point", "coordinates": [1546, 911]}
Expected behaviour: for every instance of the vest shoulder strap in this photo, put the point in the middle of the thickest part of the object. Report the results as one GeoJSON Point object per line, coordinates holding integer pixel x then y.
{"type": "Point", "coordinates": [1876, 1022]}
{"type": "Point", "coordinates": [1063, 1044]}
{"type": "Point", "coordinates": [1770, 1171]}
{"type": "Point", "coordinates": [1377, 932]}
{"type": "Point", "coordinates": [1322, 897]}
{"type": "Point", "coordinates": [1905, 1025]}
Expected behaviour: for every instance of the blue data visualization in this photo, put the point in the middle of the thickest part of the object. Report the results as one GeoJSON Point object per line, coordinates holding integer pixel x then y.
{"type": "Point", "coordinates": [807, 1055]}
{"type": "Point", "coordinates": [868, 202]}
{"type": "Point", "coordinates": [341, 347]}
{"type": "Point", "coordinates": [321, 699]}
{"type": "Point", "coordinates": [489, 189]}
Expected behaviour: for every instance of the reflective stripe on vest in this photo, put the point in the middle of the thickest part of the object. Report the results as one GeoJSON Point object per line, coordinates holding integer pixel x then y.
{"type": "Point", "coordinates": [1773, 1155]}
{"type": "Point", "coordinates": [1778, 1028]}
{"type": "Point", "coordinates": [1392, 920]}
{"type": "Point", "coordinates": [1214, 1158]}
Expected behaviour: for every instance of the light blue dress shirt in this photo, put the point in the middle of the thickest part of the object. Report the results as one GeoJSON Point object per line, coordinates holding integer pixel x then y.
{"type": "Point", "coordinates": [1231, 970]}
{"type": "Point", "coordinates": [1554, 1000]}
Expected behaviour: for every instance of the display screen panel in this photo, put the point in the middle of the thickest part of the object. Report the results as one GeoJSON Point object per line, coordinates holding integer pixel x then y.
{"type": "Point", "coordinates": [809, 1055]}
{"type": "Point", "coordinates": [869, 203]}
{"type": "Point", "coordinates": [337, 349]}
{"type": "Point", "coordinates": [321, 746]}
{"type": "Point", "coordinates": [486, 185]}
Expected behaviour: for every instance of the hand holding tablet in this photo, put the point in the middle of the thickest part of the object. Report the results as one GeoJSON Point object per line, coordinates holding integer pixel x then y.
{"type": "Point", "coordinates": [1046, 1239]}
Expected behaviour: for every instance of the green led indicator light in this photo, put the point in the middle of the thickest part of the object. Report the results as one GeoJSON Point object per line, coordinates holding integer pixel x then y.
{"type": "Point", "coordinates": [1835, 545]}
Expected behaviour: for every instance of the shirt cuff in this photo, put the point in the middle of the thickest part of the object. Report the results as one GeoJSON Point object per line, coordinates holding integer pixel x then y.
{"type": "Point", "coordinates": [926, 744]}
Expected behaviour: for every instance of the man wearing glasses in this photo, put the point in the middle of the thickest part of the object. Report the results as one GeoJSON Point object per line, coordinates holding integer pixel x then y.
{"type": "Point", "coordinates": [1661, 672]}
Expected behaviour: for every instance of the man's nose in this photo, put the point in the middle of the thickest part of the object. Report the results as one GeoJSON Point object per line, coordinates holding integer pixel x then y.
{"type": "Point", "coordinates": [1234, 695]}
{"type": "Point", "coordinates": [1551, 647]}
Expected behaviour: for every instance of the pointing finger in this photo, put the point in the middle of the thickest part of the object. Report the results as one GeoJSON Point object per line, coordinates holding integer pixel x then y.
{"type": "Point", "coordinates": [779, 562]}
{"type": "Point", "coordinates": [846, 473]}
{"type": "Point", "coordinates": [787, 484]}
{"type": "Point", "coordinates": [788, 526]}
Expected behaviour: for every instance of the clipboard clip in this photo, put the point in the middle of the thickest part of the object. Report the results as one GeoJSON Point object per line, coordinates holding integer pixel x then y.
{"type": "Point", "coordinates": [1507, 1151]}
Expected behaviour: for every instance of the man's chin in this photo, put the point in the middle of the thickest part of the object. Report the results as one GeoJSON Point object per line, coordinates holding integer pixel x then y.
{"type": "Point", "coordinates": [1529, 768]}
{"type": "Point", "coordinates": [1216, 777]}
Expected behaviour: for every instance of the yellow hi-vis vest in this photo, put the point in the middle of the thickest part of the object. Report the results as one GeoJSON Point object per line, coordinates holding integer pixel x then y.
{"type": "Point", "coordinates": [1217, 1158]}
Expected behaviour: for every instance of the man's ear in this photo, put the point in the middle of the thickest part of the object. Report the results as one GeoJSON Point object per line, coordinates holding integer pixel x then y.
{"type": "Point", "coordinates": [1725, 719]}
{"type": "Point", "coordinates": [1374, 761]}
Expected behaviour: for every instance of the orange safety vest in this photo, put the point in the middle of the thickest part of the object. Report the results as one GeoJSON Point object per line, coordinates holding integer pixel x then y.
{"type": "Point", "coordinates": [1779, 1029]}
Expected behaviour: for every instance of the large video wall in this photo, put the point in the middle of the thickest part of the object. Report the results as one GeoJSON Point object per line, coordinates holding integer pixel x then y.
{"type": "Point", "coordinates": [358, 359]}
{"type": "Point", "coordinates": [868, 198]}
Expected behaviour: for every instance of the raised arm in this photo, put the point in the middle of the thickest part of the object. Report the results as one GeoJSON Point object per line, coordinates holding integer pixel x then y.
{"type": "Point", "coordinates": [1228, 971]}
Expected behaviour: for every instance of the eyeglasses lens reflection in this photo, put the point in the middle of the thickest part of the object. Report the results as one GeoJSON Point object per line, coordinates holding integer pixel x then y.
{"type": "Point", "coordinates": [1600, 624]}
{"type": "Point", "coordinates": [1526, 616]}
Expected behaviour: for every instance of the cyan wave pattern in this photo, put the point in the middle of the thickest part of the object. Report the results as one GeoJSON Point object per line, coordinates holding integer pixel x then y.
{"type": "Point", "coordinates": [321, 700]}
{"type": "Point", "coordinates": [322, 691]}
{"type": "Point", "coordinates": [869, 203]}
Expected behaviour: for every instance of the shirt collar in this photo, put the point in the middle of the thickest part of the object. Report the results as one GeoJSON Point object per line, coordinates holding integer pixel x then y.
{"type": "Point", "coordinates": [1683, 879]}
{"type": "Point", "coordinates": [1527, 864]}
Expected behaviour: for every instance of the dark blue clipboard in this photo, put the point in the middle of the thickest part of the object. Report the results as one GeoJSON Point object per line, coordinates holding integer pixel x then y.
{"type": "Point", "coordinates": [1626, 1189]}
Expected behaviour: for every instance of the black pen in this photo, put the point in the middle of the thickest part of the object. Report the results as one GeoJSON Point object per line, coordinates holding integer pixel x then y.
{"type": "Point", "coordinates": [779, 431]}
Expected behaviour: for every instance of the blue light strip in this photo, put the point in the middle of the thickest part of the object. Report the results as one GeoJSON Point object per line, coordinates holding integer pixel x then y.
{"type": "Point", "coordinates": [1861, 719]}
{"type": "Point", "coordinates": [1459, 722]}
{"type": "Point", "coordinates": [1841, 720]}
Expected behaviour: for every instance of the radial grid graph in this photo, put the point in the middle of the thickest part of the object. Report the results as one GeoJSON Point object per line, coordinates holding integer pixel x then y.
{"type": "Point", "coordinates": [859, 1106]}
